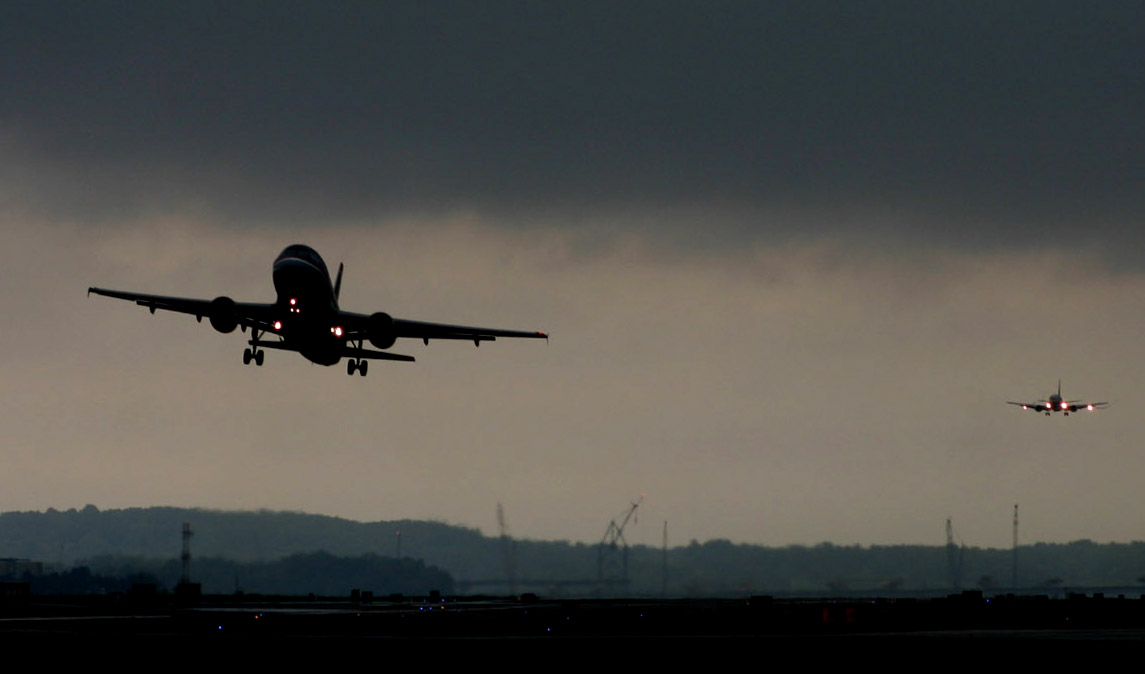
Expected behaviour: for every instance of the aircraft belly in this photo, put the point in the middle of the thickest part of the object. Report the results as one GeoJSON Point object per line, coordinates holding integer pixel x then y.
{"type": "Point", "coordinates": [320, 350]}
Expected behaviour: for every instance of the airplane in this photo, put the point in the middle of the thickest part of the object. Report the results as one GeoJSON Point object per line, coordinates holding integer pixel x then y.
{"type": "Point", "coordinates": [306, 318]}
{"type": "Point", "coordinates": [1055, 404]}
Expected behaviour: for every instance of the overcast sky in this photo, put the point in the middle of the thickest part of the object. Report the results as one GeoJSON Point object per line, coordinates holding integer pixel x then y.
{"type": "Point", "coordinates": [794, 259]}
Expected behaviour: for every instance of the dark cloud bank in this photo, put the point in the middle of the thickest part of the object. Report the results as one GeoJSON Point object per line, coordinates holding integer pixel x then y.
{"type": "Point", "coordinates": [1021, 117]}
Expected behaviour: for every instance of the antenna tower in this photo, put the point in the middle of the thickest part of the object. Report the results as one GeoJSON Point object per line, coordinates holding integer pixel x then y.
{"type": "Point", "coordinates": [955, 556]}
{"type": "Point", "coordinates": [508, 551]}
{"type": "Point", "coordinates": [1014, 571]}
{"type": "Point", "coordinates": [186, 556]}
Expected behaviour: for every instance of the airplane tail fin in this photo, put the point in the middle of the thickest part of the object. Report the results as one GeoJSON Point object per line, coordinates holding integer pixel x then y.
{"type": "Point", "coordinates": [338, 289]}
{"type": "Point", "coordinates": [1059, 381]}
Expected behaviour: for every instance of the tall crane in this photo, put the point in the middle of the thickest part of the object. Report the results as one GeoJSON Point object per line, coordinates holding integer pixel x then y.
{"type": "Point", "coordinates": [612, 551]}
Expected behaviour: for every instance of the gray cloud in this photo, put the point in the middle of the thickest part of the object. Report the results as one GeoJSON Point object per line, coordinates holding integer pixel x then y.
{"type": "Point", "coordinates": [971, 123]}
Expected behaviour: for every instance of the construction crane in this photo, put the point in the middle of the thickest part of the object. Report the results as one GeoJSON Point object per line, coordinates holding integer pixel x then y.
{"type": "Point", "coordinates": [612, 551]}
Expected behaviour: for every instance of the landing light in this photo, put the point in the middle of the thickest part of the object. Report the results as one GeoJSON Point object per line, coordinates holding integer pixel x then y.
{"type": "Point", "coordinates": [1089, 407]}
{"type": "Point", "coordinates": [1065, 406]}
{"type": "Point", "coordinates": [336, 330]}
{"type": "Point", "coordinates": [278, 325]}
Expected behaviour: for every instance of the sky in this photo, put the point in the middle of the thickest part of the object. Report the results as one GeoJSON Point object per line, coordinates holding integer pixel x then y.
{"type": "Point", "coordinates": [794, 258]}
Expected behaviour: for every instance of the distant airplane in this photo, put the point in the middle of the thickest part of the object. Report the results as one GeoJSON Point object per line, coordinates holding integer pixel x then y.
{"type": "Point", "coordinates": [306, 318]}
{"type": "Point", "coordinates": [1055, 404]}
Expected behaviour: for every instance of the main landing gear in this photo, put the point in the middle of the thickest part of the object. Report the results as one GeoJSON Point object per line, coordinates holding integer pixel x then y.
{"type": "Point", "coordinates": [361, 365]}
{"type": "Point", "coordinates": [253, 353]}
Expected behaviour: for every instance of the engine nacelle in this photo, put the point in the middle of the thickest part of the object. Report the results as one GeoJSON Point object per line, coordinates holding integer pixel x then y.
{"type": "Point", "coordinates": [380, 328]}
{"type": "Point", "coordinates": [223, 316]}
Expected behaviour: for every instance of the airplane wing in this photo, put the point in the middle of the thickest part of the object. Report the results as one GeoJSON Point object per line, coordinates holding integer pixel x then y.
{"type": "Point", "coordinates": [359, 325]}
{"type": "Point", "coordinates": [246, 314]}
{"type": "Point", "coordinates": [1037, 407]}
{"type": "Point", "coordinates": [427, 331]}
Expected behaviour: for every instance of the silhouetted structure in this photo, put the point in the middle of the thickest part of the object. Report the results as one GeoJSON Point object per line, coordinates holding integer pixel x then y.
{"type": "Point", "coordinates": [612, 551]}
{"type": "Point", "coordinates": [955, 556]}
{"type": "Point", "coordinates": [185, 558]}
{"type": "Point", "coordinates": [508, 551]}
{"type": "Point", "coordinates": [1014, 570]}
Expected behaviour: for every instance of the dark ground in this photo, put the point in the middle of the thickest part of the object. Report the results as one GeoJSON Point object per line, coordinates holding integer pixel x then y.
{"type": "Point", "coordinates": [402, 629]}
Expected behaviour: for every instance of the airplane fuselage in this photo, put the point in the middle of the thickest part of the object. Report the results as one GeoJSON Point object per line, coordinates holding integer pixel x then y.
{"type": "Point", "coordinates": [308, 306]}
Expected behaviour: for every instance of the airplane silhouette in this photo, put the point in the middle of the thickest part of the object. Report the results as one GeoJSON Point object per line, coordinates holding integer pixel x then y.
{"type": "Point", "coordinates": [1055, 404]}
{"type": "Point", "coordinates": [306, 318]}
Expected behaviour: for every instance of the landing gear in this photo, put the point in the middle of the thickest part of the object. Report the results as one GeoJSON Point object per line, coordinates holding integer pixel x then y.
{"type": "Point", "coordinates": [360, 365]}
{"type": "Point", "coordinates": [253, 353]}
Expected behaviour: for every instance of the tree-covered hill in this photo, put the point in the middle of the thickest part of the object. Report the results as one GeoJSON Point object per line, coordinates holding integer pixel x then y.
{"type": "Point", "coordinates": [151, 537]}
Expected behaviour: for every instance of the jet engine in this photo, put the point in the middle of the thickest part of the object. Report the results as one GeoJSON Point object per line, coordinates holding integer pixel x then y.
{"type": "Point", "coordinates": [380, 328]}
{"type": "Point", "coordinates": [223, 316]}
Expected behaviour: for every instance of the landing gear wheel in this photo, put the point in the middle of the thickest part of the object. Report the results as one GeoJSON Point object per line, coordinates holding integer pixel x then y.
{"type": "Point", "coordinates": [351, 365]}
{"type": "Point", "coordinates": [258, 358]}
{"type": "Point", "coordinates": [247, 355]}
{"type": "Point", "coordinates": [362, 367]}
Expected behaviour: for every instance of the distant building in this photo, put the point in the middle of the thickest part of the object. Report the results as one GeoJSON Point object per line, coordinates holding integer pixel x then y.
{"type": "Point", "coordinates": [11, 567]}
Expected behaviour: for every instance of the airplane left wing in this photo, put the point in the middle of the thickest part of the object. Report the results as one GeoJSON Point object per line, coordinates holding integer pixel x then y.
{"type": "Point", "coordinates": [223, 312]}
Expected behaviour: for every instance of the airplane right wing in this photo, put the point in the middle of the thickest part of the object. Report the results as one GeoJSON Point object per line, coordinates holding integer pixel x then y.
{"type": "Point", "coordinates": [428, 331]}
{"type": "Point", "coordinates": [381, 327]}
